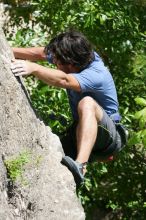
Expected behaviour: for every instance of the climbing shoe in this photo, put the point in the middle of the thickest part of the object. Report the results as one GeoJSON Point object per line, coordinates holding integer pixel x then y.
{"type": "Point", "coordinates": [75, 168]}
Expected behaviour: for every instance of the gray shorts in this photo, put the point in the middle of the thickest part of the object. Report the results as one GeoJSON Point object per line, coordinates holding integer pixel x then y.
{"type": "Point", "coordinates": [108, 141]}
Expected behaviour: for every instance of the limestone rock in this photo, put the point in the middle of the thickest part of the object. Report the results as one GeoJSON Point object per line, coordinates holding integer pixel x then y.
{"type": "Point", "coordinates": [44, 189]}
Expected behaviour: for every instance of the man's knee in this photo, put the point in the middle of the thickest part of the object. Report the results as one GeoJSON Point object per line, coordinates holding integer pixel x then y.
{"type": "Point", "coordinates": [88, 105]}
{"type": "Point", "coordinates": [85, 104]}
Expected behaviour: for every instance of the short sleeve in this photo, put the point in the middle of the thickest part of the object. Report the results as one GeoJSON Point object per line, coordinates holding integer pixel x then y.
{"type": "Point", "coordinates": [89, 79]}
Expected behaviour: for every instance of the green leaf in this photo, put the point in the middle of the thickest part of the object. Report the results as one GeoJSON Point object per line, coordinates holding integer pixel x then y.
{"type": "Point", "coordinates": [135, 139]}
{"type": "Point", "coordinates": [141, 114]}
{"type": "Point", "coordinates": [140, 101]}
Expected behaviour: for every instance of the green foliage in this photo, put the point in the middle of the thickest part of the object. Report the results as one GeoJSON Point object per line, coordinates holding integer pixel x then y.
{"type": "Point", "coordinates": [28, 37]}
{"type": "Point", "coordinates": [139, 135]}
{"type": "Point", "coordinates": [51, 104]}
{"type": "Point", "coordinates": [15, 166]}
{"type": "Point", "coordinates": [140, 101]}
{"type": "Point", "coordinates": [118, 186]}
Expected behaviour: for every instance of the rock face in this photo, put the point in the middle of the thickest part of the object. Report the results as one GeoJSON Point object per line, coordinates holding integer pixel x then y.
{"type": "Point", "coordinates": [33, 183]}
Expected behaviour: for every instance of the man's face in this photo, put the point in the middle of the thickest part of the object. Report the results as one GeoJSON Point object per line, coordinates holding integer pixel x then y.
{"type": "Point", "coordinates": [64, 68]}
{"type": "Point", "coordinates": [67, 68]}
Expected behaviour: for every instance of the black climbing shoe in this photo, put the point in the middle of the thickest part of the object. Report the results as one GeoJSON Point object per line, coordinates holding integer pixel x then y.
{"type": "Point", "coordinates": [76, 169]}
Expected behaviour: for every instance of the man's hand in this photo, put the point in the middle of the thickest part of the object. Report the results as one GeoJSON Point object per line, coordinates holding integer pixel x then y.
{"type": "Point", "coordinates": [22, 68]}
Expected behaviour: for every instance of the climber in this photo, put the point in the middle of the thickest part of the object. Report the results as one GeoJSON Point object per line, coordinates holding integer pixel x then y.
{"type": "Point", "coordinates": [91, 92]}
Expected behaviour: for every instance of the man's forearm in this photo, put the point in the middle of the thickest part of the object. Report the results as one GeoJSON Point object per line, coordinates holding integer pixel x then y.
{"type": "Point", "coordinates": [50, 76]}
{"type": "Point", "coordinates": [56, 77]}
{"type": "Point", "coordinates": [32, 53]}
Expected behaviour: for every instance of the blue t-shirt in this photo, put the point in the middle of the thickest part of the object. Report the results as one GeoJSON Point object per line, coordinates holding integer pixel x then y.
{"type": "Point", "coordinates": [97, 82]}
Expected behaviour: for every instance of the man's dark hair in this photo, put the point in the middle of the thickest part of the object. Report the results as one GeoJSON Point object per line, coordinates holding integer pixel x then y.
{"type": "Point", "coordinates": [71, 47]}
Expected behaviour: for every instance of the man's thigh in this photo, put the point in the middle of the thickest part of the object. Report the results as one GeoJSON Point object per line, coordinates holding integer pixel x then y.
{"type": "Point", "coordinates": [107, 136]}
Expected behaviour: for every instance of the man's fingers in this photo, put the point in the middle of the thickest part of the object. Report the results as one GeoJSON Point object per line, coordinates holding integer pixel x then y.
{"type": "Point", "coordinates": [16, 65]}
{"type": "Point", "coordinates": [20, 74]}
{"type": "Point", "coordinates": [17, 70]}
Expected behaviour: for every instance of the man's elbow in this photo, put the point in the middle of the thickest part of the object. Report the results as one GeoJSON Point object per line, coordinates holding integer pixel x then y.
{"type": "Point", "coordinates": [67, 85]}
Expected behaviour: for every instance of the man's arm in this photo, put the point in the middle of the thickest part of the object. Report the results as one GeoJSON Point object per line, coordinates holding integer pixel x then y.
{"type": "Point", "coordinates": [50, 76]}
{"type": "Point", "coordinates": [32, 53]}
